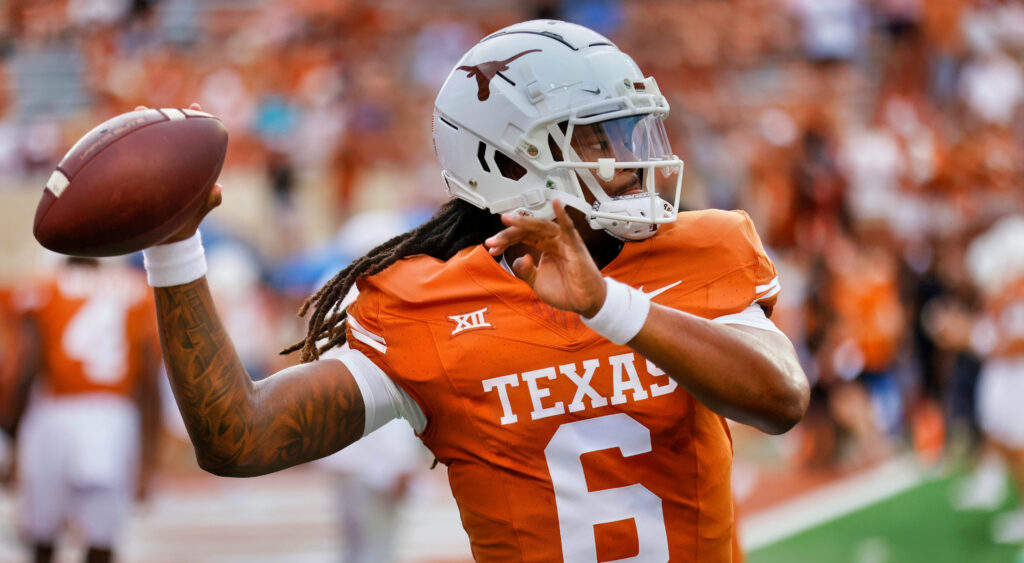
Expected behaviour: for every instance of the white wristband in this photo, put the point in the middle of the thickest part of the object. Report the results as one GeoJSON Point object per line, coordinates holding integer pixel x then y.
{"type": "Point", "coordinates": [623, 313]}
{"type": "Point", "coordinates": [176, 263]}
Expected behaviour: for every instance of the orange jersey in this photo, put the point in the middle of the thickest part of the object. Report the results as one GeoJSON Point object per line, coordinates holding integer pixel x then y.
{"type": "Point", "coordinates": [10, 349]}
{"type": "Point", "coordinates": [560, 445]}
{"type": "Point", "coordinates": [96, 327]}
{"type": "Point", "coordinates": [867, 302]}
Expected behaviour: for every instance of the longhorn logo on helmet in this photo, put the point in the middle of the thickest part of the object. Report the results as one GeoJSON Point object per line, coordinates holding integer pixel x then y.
{"type": "Point", "coordinates": [486, 71]}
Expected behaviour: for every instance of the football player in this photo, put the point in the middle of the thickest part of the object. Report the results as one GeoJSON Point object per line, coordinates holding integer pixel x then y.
{"type": "Point", "coordinates": [563, 340]}
{"type": "Point", "coordinates": [995, 261]}
{"type": "Point", "coordinates": [92, 417]}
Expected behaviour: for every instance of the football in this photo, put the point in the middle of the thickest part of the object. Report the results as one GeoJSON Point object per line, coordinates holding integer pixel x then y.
{"type": "Point", "coordinates": [131, 182]}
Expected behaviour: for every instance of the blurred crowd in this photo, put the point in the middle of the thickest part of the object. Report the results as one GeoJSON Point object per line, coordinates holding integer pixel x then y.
{"type": "Point", "coordinates": [871, 140]}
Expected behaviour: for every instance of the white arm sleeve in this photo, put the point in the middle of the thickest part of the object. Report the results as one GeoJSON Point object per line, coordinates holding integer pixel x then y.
{"type": "Point", "coordinates": [751, 316]}
{"type": "Point", "coordinates": [382, 398]}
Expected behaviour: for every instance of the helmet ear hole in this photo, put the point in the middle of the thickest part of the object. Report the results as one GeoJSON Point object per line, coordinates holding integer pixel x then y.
{"type": "Point", "coordinates": [508, 167]}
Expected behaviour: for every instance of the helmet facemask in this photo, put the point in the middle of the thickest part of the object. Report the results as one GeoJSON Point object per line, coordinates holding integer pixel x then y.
{"type": "Point", "coordinates": [620, 171]}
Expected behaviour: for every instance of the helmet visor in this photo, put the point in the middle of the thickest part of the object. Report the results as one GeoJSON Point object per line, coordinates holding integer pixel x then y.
{"type": "Point", "coordinates": [633, 138]}
{"type": "Point", "coordinates": [625, 156]}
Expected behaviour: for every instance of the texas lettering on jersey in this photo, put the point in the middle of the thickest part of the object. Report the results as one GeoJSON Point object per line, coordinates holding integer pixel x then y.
{"type": "Point", "coordinates": [559, 444]}
{"type": "Point", "coordinates": [621, 370]}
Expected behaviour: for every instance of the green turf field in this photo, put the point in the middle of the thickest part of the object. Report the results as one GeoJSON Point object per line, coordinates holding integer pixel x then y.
{"type": "Point", "coordinates": [917, 525]}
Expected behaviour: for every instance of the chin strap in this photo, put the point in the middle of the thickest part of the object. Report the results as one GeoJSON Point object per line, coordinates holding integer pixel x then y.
{"type": "Point", "coordinates": [636, 205]}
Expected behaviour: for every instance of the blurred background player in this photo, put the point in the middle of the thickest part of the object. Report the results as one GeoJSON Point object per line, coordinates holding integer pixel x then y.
{"type": "Point", "coordinates": [10, 354]}
{"type": "Point", "coordinates": [86, 401]}
{"type": "Point", "coordinates": [995, 260]}
{"type": "Point", "coordinates": [374, 479]}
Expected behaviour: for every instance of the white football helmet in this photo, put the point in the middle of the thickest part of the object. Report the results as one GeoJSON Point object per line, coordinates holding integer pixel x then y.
{"type": "Point", "coordinates": [546, 109]}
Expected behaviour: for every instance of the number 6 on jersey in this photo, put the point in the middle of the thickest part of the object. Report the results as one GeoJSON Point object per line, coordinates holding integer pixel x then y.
{"type": "Point", "coordinates": [579, 509]}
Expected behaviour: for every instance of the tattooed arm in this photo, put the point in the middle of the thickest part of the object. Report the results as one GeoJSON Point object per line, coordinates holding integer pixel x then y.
{"type": "Point", "coordinates": [240, 428]}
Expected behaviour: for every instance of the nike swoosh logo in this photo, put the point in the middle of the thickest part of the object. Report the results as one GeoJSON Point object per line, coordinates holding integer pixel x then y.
{"type": "Point", "coordinates": [594, 91]}
{"type": "Point", "coordinates": [659, 291]}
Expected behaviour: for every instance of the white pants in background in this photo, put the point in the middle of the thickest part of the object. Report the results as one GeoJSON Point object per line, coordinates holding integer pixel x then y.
{"type": "Point", "coordinates": [77, 464]}
{"type": "Point", "coordinates": [1001, 401]}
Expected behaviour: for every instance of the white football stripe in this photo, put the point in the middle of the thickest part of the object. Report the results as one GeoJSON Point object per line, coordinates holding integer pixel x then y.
{"type": "Point", "coordinates": [767, 286]}
{"type": "Point", "coordinates": [352, 322]}
{"type": "Point", "coordinates": [173, 114]}
{"type": "Point", "coordinates": [57, 183]}
{"type": "Point", "coordinates": [196, 113]}
{"type": "Point", "coordinates": [369, 341]}
{"type": "Point", "coordinates": [771, 293]}
{"type": "Point", "coordinates": [771, 289]}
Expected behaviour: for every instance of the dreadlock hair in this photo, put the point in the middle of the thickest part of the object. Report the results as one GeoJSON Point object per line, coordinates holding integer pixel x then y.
{"type": "Point", "coordinates": [456, 225]}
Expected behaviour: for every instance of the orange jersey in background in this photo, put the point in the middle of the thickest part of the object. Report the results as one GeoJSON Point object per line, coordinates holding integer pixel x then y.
{"type": "Point", "coordinates": [10, 350]}
{"type": "Point", "coordinates": [95, 326]}
{"type": "Point", "coordinates": [561, 445]}
{"type": "Point", "coordinates": [867, 301]}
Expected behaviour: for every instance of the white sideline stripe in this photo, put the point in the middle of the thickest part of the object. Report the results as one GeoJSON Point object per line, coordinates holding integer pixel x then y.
{"type": "Point", "coordinates": [829, 502]}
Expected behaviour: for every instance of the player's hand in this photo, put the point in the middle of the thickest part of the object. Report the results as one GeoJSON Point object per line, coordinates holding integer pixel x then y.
{"type": "Point", "coordinates": [189, 229]}
{"type": "Point", "coordinates": [565, 276]}
{"type": "Point", "coordinates": [212, 201]}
